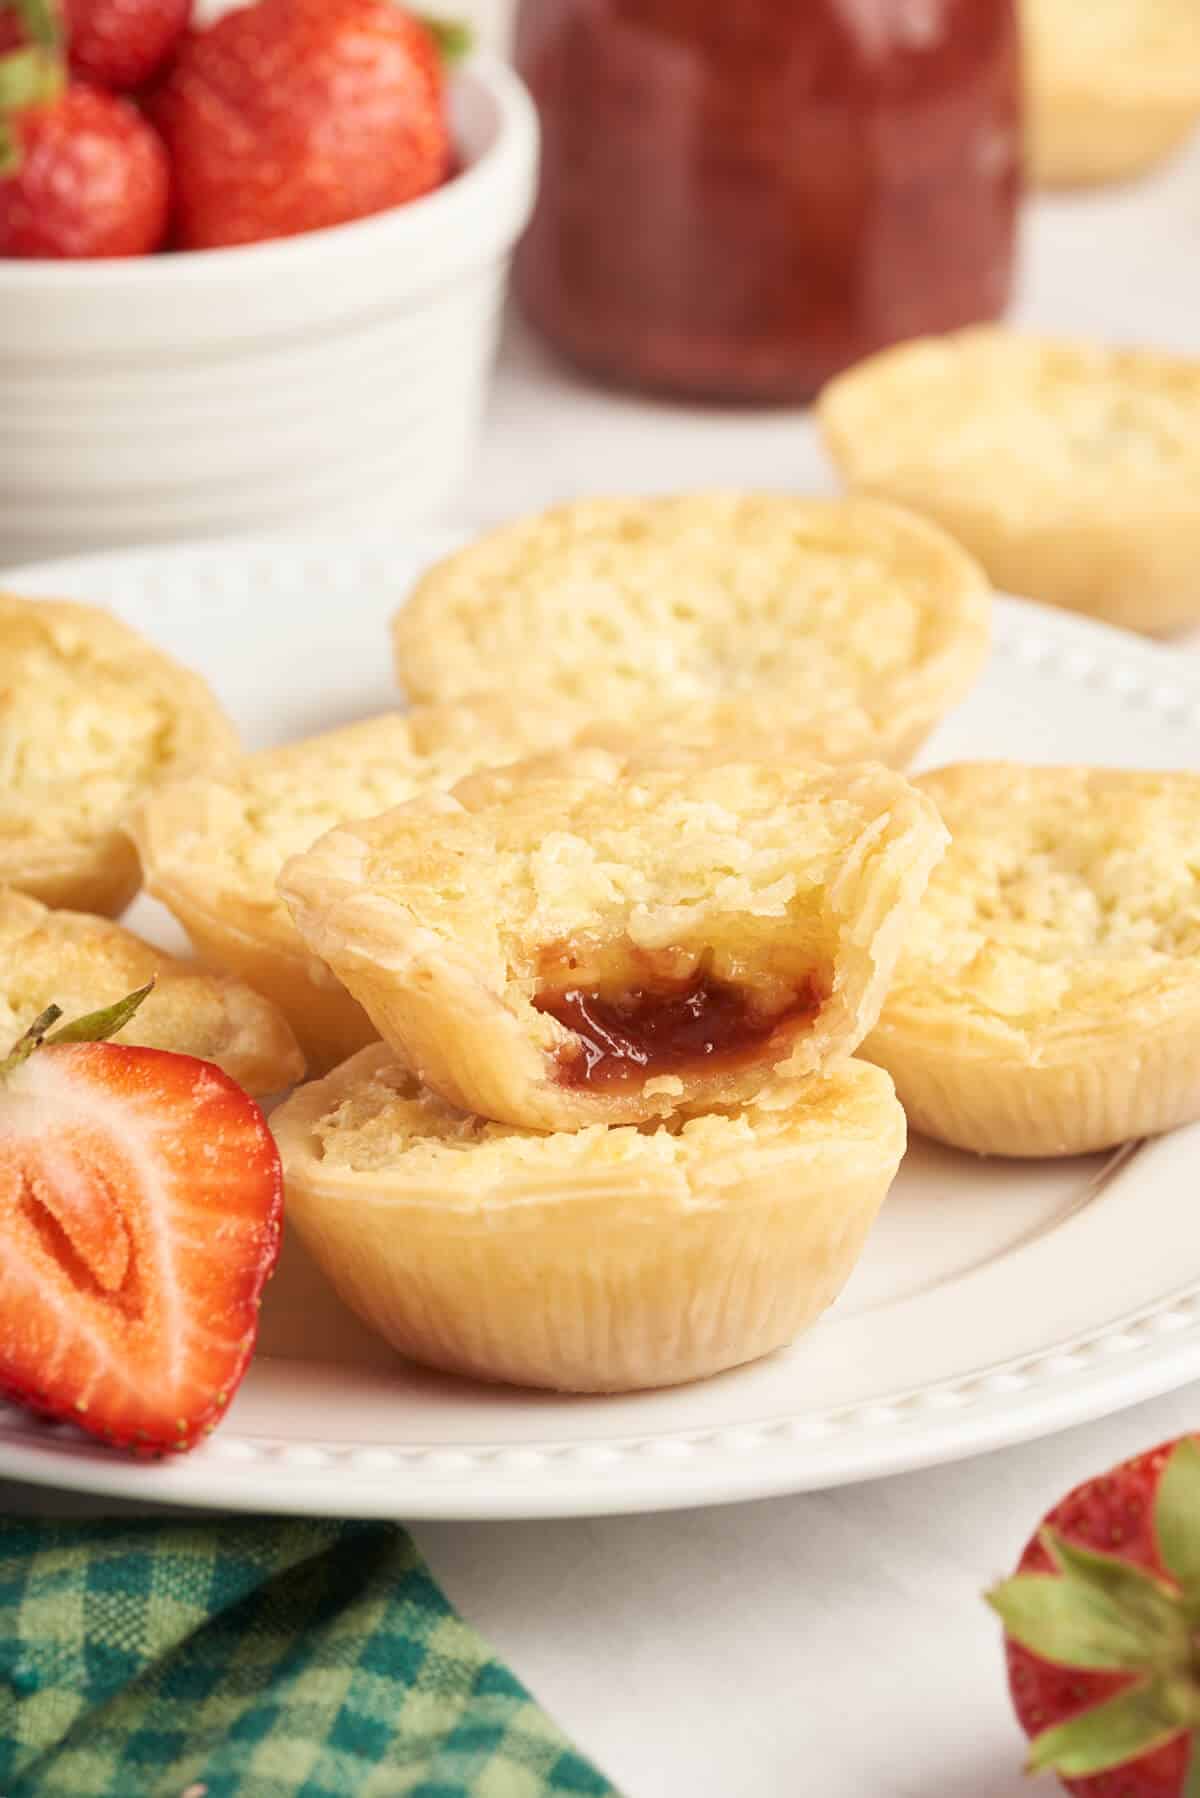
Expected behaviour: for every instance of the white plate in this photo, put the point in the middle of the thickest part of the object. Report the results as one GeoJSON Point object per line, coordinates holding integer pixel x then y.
{"type": "Point", "coordinates": [995, 1302]}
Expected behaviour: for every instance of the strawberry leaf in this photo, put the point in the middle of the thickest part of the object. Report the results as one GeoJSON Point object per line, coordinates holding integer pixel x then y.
{"type": "Point", "coordinates": [98, 1026]}
{"type": "Point", "coordinates": [1177, 1516]}
{"type": "Point", "coordinates": [1108, 1735]}
{"type": "Point", "coordinates": [1072, 1625]}
{"type": "Point", "coordinates": [454, 39]}
{"type": "Point", "coordinates": [27, 77]}
{"type": "Point", "coordinates": [1143, 1601]}
{"type": "Point", "coordinates": [1097, 1612]}
{"type": "Point", "coordinates": [1191, 1785]}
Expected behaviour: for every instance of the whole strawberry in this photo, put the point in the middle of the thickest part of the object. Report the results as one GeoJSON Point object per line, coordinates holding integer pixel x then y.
{"type": "Point", "coordinates": [82, 173]}
{"type": "Point", "coordinates": [290, 115]}
{"type": "Point", "coordinates": [140, 1214]}
{"type": "Point", "coordinates": [1103, 1631]}
{"type": "Point", "coordinates": [122, 44]}
{"type": "Point", "coordinates": [117, 44]}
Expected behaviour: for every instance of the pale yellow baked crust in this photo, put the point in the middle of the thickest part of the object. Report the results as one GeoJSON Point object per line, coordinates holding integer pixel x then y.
{"type": "Point", "coordinates": [212, 847]}
{"type": "Point", "coordinates": [1113, 86]}
{"type": "Point", "coordinates": [596, 1261]}
{"type": "Point", "coordinates": [1047, 1001]}
{"type": "Point", "coordinates": [1070, 469]}
{"type": "Point", "coordinates": [91, 719]}
{"type": "Point", "coordinates": [457, 920]}
{"type": "Point", "coordinates": [83, 963]}
{"type": "Point", "coordinates": [835, 628]}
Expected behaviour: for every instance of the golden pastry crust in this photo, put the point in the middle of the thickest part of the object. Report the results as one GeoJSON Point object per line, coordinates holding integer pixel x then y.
{"type": "Point", "coordinates": [596, 1261]}
{"type": "Point", "coordinates": [1069, 469]}
{"type": "Point", "coordinates": [84, 963]}
{"type": "Point", "coordinates": [91, 718]}
{"type": "Point", "coordinates": [557, 952]}
{"type": "Point", "coordinates": [212, 847]}
{"type": "Point", "coordinates": [834, 628]}
{"type": "Point", "coordinates": [1047, 1001]}
{"type": "Point", "coordinates": [1113, 86]}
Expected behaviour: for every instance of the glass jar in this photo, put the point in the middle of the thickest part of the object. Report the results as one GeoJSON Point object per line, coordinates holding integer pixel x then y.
{"type": "Point", "coordinates": [741, 197]}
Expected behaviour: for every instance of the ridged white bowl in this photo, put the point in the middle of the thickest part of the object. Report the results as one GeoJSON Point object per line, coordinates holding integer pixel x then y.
{"type": "Point", "coordinates": [299, 382]}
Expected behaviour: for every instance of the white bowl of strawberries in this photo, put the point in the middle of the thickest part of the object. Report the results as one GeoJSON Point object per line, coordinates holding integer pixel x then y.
{"type": "Point", "coordinates": [257, 289]}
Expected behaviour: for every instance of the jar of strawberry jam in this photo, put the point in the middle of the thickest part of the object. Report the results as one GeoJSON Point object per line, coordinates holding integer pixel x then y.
{"type": "Point", "coordinates": [741, 197]}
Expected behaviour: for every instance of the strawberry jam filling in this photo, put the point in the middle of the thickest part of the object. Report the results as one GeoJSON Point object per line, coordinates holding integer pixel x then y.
{"type": "Point", "coordinates": [701, 1024]}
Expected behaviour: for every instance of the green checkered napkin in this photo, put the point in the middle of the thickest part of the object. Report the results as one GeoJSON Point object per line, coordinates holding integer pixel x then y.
{"type": "Point", "coordinates": [261, 1658]}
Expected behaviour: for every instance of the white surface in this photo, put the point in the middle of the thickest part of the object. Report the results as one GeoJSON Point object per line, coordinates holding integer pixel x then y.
{"type": "Point", "coordinates": [829, 1644]}
{"type": "Point", "coordinates": [316, 377]}
{"type": "Point", "coordinates": [964, 1326]}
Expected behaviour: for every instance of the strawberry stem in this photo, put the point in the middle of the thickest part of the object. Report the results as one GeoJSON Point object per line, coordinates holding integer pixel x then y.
{"type": "Point", "coordinates": [93, 1027]}
{"type": "Point", "coordinates": [31, 1040]}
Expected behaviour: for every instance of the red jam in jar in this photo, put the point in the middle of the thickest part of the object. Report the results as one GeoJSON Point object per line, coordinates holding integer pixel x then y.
{"type": "Point", "coordinates": [739, 198]}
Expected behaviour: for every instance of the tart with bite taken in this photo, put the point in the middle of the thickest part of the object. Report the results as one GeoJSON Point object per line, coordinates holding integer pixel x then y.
{"type": "Point", "coordinates": [615, 945]}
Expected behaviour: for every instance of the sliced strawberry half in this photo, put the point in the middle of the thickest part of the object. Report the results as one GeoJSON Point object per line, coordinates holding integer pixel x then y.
{"type": "Point", "coordinates": [140, 1218]}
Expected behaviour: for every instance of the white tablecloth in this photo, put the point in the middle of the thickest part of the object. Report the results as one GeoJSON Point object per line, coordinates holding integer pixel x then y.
{"type": "Point", "coordinates": [835, 1644]}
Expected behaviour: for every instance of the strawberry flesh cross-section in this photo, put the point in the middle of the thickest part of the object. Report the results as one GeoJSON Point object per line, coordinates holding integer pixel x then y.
{"type": "Point", "coordinates": [140, 1216]}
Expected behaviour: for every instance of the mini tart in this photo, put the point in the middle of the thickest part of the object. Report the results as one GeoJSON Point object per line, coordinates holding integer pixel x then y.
{"type": "Point", "coordinates": [1113, 86]}
{"type": "Point", "coordinates": [610, 948]}
{"type": "Point", "coordinates": [840, 629]}
{"type": "Point", "coordinates": [595, 1261]}
{"type": "Point", "coordinates": [91, 718]}
{"type": "Point", "coordinates": [1069, 469]}
{"type": "Point", "coordinates": [1048, 998]}
{"type": "Point", "coordinates": [83, 963]}
{"type": "Point", "coordinates": [212, 847]}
